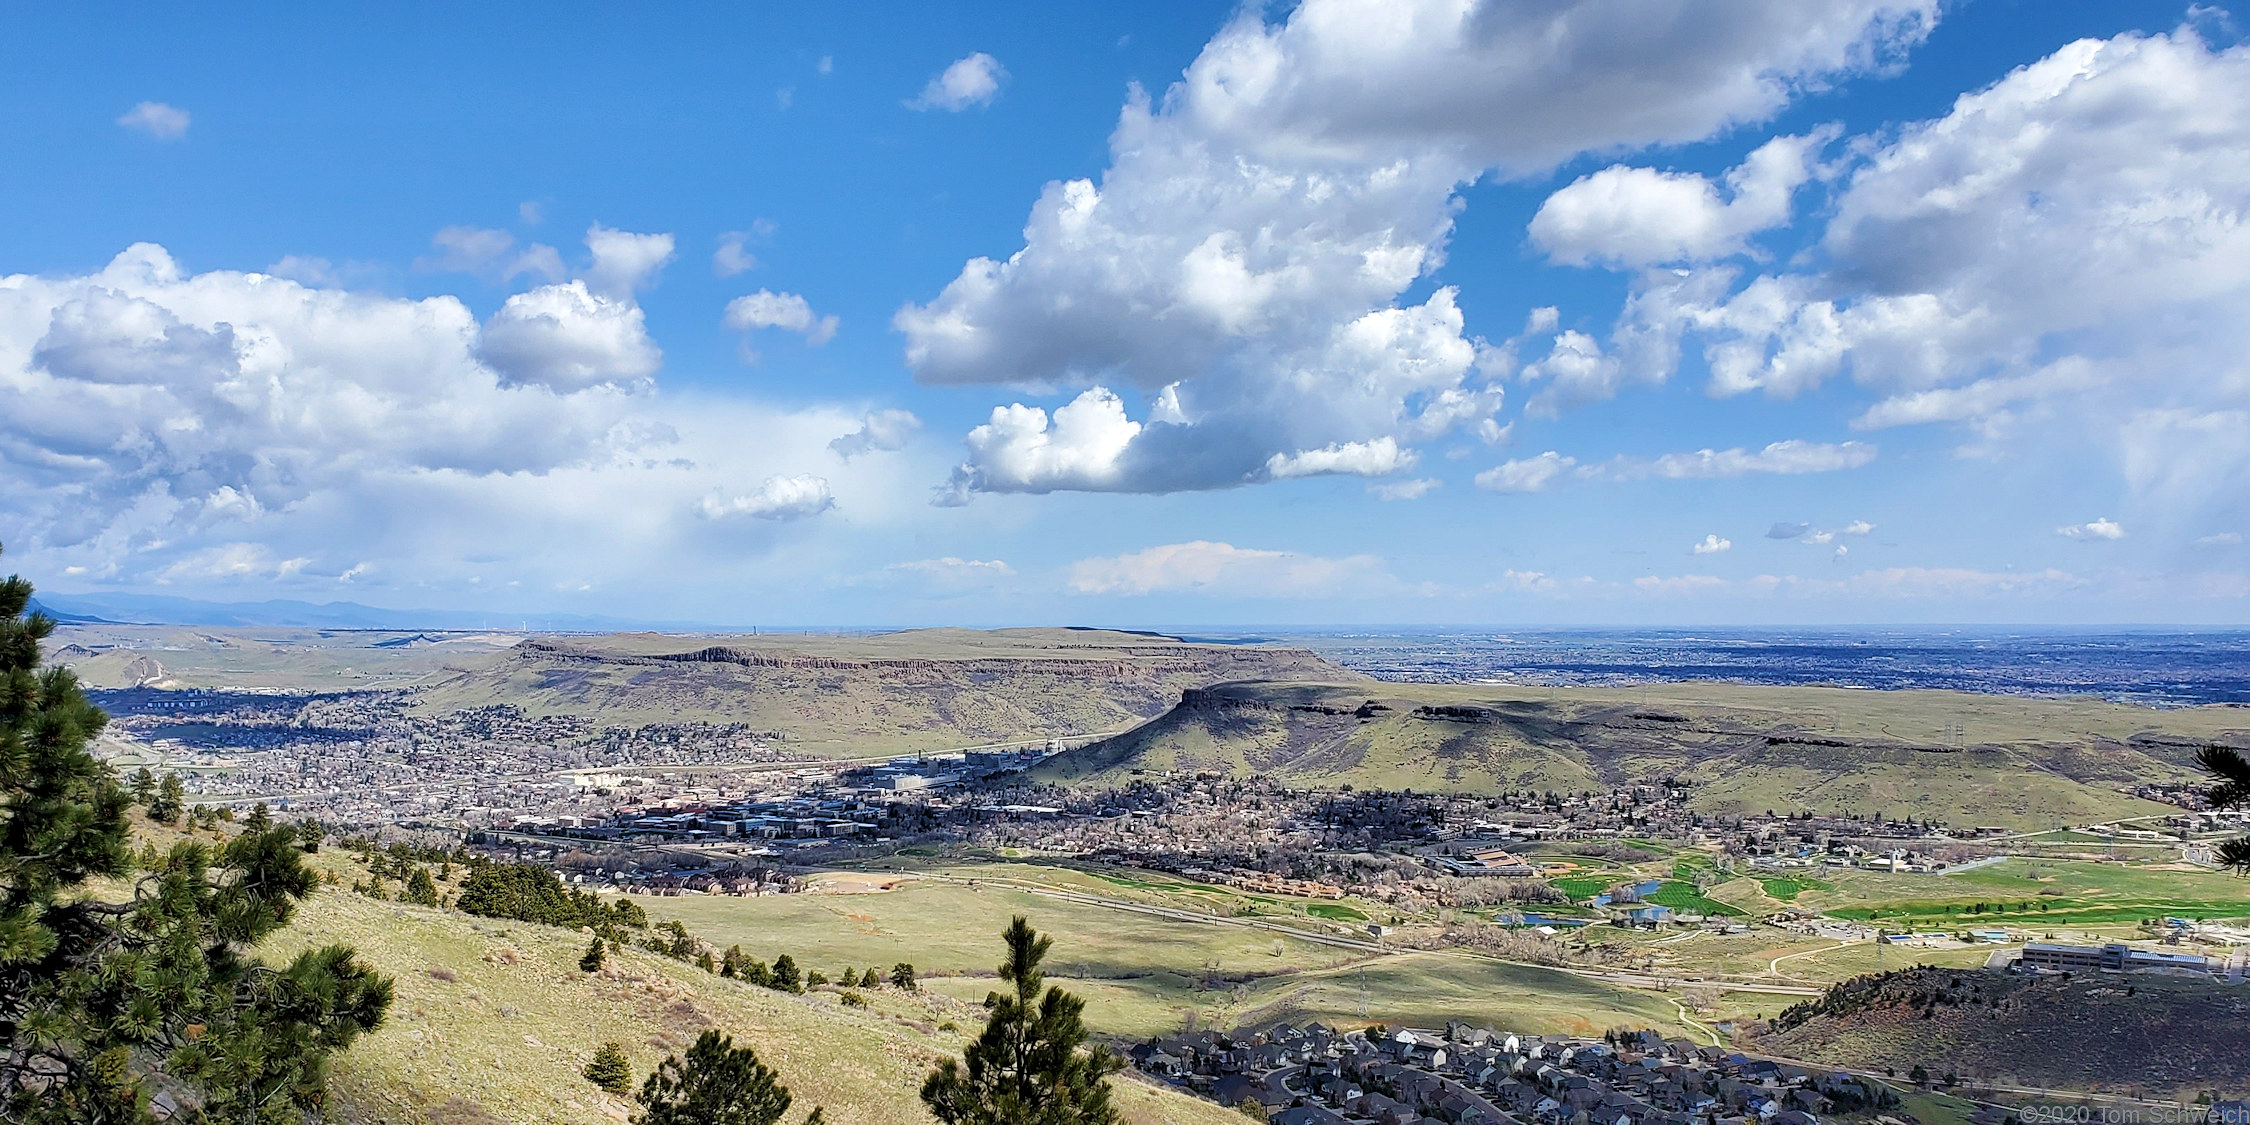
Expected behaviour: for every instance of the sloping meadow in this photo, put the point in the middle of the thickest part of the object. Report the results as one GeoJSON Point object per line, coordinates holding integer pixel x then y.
{"type": "Point", "coordinates": [494, 1022]}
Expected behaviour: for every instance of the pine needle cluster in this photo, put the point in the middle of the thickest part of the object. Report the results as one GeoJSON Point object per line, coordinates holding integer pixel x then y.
{"type": "Point", "coordinates": [2233, 791]}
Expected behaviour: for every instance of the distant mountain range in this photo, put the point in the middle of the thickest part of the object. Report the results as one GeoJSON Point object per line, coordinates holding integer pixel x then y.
{"type": "Point", "coordinates": [66, 618]}
{"type": "Point", "coordinates": [155, 609]}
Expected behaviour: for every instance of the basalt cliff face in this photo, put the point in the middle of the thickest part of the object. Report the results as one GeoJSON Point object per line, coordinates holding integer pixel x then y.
{"type": "Point", "coordinates": [873, 695]}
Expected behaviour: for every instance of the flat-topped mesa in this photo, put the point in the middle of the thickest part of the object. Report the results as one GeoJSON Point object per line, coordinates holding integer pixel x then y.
{"type": "Point", "coordinates": [1096, 661]}
{"type": "Point", "coordinates": [1109, 663]}
{"type": "Point", "coordinates": [861, 695]}
{"type": "Point", "coordinates": [1734, 750]}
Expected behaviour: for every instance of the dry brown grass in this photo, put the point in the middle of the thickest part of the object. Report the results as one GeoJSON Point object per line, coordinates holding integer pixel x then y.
{"type": "Point", "coordinates": [505, 1037]}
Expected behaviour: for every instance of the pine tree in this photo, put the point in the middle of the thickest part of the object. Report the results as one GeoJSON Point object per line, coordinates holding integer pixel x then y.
{"type": "Point", "coordinates": [260, 818]}
{"type": "Point", "coordinates": [170, 799]}
{"type": "Point", "coordinates": [421, 890]}
{"type": "Point", "coordinates": [730, 965]}
{"type": "Point", "coordinates": [785, 974]}
{"type": "Point", "coordinates": [1030, 1066]}
{"type": "Point", "coordinates": [528, 892]}
{"type": "Point", "coordinates": [871, 978]}
{"type": "Point", "coordinates": [309, 834]}
{"type": "Point", "coordinates": [611, 1070]}
{"type": "Point", "coordinates": [902, 975]}
{"type": "Point", "coordinates": [592, 961]}
{"type": "Point", "coordinates": [105, 1005]}
{"type": "Point", "coordinates": [717, 1084]}
{"type": "Point", "coordinates": [144, 785]}
{"type": "Point", "coordinates": [2233, 771]}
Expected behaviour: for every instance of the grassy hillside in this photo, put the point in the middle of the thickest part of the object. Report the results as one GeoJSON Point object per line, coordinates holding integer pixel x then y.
{"type": "Point", "coordinates": [1145, 975]}
{"type": "Point", "coordinates": [493, 1022]}
{"type": "Point", "coordinates": [493, 1019]}
{"type": "Point", "coordinates": [1958, 757]}
{"type": "Point", "coordinates": [2142, 1034]}
{"type": "Point", "coordinates": [924, 689]}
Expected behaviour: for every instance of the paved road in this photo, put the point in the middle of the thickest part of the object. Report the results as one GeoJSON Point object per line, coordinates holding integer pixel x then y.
{"type": "Point", "coordinates": [1774, 966]}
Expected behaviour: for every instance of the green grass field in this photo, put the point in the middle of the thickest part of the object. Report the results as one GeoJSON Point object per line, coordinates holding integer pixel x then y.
{"type": "Point", "coordinates": [1144, 974]}
{"type": "Point", "coordinates": [1684, 896]}
{"type": "Point", "coordinates": [1786, 889]}
{"type": "Point", "coordinates": [2022, 892]}
{"type": "Point", "coordinates": [2031, 892]}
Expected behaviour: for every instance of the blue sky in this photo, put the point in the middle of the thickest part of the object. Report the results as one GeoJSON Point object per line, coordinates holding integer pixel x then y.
{"type": "Point", "coordinates": [1628, 311]}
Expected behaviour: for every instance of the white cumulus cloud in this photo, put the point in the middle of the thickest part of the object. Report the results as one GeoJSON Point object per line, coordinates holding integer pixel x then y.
{"type": "Point", "coordinates": [1712, 545]}
{"type": "Point", "coordinates": [1248, 250]}
{"type": "Point", "coordinates": [1376, 458]}
{"type": "Point", "coordinates": [1576, 371]}
{"type": "Point", "coordinates": [1021, 450]}
{"type": "Point", "coordinates": [156, 119]}
{"type": "Point", "coordinates": [778, 498]}
{"type": "Point", "coordinates": [623, 261]}
{"type": "Point", "coordinates": [2058, 264]}
{"type": "Point", "coordinates": [953, 574]}
{"type": "Point", "coordinates": [568, 337]}
{"type": "Point", "coordinates": [1406, 489]}
{"type": "Point", "coordinates": [733, 255]}
{"type": "Point", "coordinates": [971, 81]}
{"type": "Point", "coordinates": [219, 429]}
{"type": "Point", "coordinates": [880, 431]}
{"type": "Point", "coordinates": [2100, 530]}
{"type": "Point", "coordinates": [786, 311]}
{"type": "Point", "coordinates": [1527, 474]}
{"type": "Point", "coordinates": [1626, 216]}
{"type": "Point", "coordinates": [1782, 457]}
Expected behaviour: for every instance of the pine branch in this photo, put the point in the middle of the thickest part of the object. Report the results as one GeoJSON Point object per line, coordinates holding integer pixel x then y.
{"type": "Point", "coordinates": [2235, 853]}
{"type": "Point", "coordinates": [2233, 771]}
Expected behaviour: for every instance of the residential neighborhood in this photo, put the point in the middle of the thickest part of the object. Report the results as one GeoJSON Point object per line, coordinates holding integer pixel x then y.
{"type": "Point", "coordinates": [1466, 1075]}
